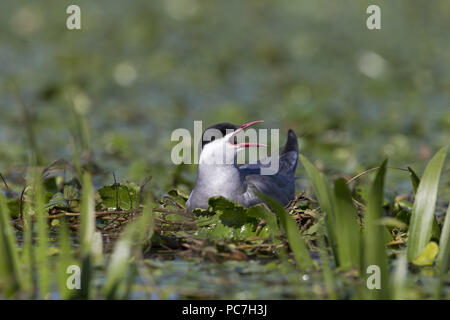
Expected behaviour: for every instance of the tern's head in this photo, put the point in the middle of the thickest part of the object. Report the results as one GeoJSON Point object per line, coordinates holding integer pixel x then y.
{"type": "Point", "coordinates": [219, 143]}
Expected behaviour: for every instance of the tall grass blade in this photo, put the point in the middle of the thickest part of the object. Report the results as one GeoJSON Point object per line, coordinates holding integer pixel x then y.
{"type": "Point", "coordinates": [26, 260]}
{"type": "Point", "coordinates": [118, 277]}
{"type": "Point", "coordinates": [42, 265]}
{"type": "Point", "coordinates": [422, 216]}
{"type": "Point", "coordinates": [348, 235]}
{"type": "Point", "coordinates": [414, 179]}
{"type": "Point", "coordinates": [321, 187]}
{"type": "Point", "coordinates": [10, 279]}
{"type": "Point", "coordinates": [29, 126]}
{"type": "Point", "coordinates": [443, 258]}
{"type": "Point", "coordinates": [296, 243]}
{"type": "Point", "coordinates": [374, 234]}
{"type": "Point", "coordinates": [324, 195]}
{"type": "Point", "coordinates": [65, 259]}
{"type": "Point", "coordinates": [286, 267]}
{"type": "Point", "coordinates": [82, 127]}
{"type": "Point", "coordinates": [399, 278]}
{"type": "Point", "coordinates": [87, 230]}
{"type": "Point", "coordinates": [327, 271]}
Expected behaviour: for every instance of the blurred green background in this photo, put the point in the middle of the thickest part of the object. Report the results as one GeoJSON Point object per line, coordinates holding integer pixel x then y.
{"type": "Point", "coordinates": [140, 69]}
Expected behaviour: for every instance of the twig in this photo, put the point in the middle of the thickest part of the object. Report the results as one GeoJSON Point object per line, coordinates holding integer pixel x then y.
{"type": "Point", "coordinates": [66, 163]}
{"type": "Point", "coordinates": [180, 212]}
{"type": "Point", "coordinates": [117, 191]}
{"type": "Point", "coordinates": [142, 187]}
{"type": "Point", "coordinates": [4, 181]}
{"type": "Point", "coordinates": [370, 170]}
{"type": "Point", "coordinates": [21, 203]}
{"type": "Point", "coordinates": [109, 227]}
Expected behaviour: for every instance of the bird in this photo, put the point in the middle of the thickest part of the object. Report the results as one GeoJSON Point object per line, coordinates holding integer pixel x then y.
{"type": "Point", "coordinates": [219, 174]}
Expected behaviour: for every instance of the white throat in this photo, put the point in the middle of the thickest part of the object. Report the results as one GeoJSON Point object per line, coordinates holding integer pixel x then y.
{"type": "Point", "coordinates": [217, 171]}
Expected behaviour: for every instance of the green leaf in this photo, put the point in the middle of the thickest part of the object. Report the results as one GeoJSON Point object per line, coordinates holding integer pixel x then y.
{"type": "Point", "coordinates": [428, 254]}
{"type": "Point", "coordinates": [72, 195]}
{"type": "Point", "coordinates": [87, 230]}
{"type": "Point", "coordinates": [295, 240]}
{"type": "Point", "coordinates": [324, 195]}
{"type": "Point", "coordinates": [422, 216]}
{"type": "Point", "coordinates": [10, 275]}
{"type": "Point", "coordinates": [117, 284]}
{"type": "Point", "coordinates": [223, 232]}
{"type": "Point", "coordinates": [260, 212]}
{"type": "Point", "coordinates": [65, 259]}
{"type": "Point", "coordinates": [374, 233]}
{"type": "Point", "coordinates": [321, 187]}
{"type": "Point", "coordinates": [51, 185]}
{"type": "Point", "coordinates": [325, 262]}
{"type": "Point", "coordinates": [120, 196]}
{"type": "Point", "coordinates": [233, 214]}
{"type": "Point", "coordinates": [57, 200]}
{"type": "Point", "coordinates": [220, 232]}
{"type": "Point", "coordinates": [13, 207]}
{"type": "Point", "coordinates": [393, 222]}
{"type": "Point", "coordinates": [399, 277]}
{"type": "Point", "coordinates": [177, 194]}
{"type": "Point", "coordinates": [43, 267]}
{"type": "Point", "coordinates": [414, 179]}
{"type": "Point", "coordinates": [443, 259]}
{"type": "Point", "coordinates": [26, 258]}
{"type": "Point", "coordinates": [348, 236]}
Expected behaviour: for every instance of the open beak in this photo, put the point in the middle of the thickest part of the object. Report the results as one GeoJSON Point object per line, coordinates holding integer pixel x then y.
{"type": "Point", "coordinates": [245, 144]}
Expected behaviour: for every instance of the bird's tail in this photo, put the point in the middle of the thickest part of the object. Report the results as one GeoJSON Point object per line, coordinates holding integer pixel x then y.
{"type": "Point", "coordinates": [291, 143]}
{"type": "Point", "coordinates": [289, 154]}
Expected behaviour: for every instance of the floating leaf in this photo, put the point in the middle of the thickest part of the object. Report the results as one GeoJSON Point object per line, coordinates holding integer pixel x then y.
{"type": "Point", "coordinates": [57, 200]}
{"type": "Point", "coordinates": [178, 195]}
{"type": "Point", "coordinates": [260, 212]}
{"type": "Point", "coordinates": [232, 214]}
{"type": "Point", "coordinates": [120, 196]}
{"type": "Point", "coordinates": [72, 195]}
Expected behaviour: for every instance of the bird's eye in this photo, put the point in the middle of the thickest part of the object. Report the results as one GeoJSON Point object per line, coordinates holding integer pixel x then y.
{"type": "Point", "coordinates": [213, 138]}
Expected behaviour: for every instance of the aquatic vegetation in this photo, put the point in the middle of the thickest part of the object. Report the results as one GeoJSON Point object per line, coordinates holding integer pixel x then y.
{"type": "Point", "coordinates": [92, 208]}
{"type": "Point", "coordinates": [120, 238]}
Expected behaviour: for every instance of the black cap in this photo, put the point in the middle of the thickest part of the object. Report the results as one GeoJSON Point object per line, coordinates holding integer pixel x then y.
{"type": "Point", "coordinates": [222, 127]}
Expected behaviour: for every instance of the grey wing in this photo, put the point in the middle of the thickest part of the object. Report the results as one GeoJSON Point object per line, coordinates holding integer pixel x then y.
{"type": "Point", "coordinates": [280, 186]}
{"type": "Point", "coordinates": [287, 164]}
{"type": "Point", "coordinates": [287, 158]}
